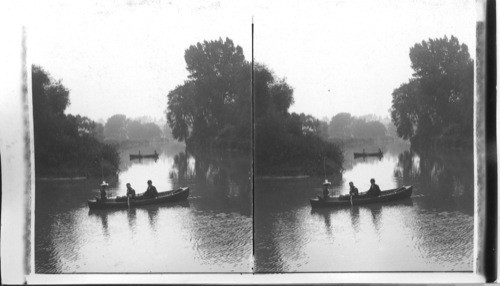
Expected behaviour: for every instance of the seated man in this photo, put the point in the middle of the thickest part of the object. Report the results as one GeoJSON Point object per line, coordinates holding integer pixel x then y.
{"type": "Point", "coordinates": [130, 191]}
{"type": "Point", "coordinates": [151, 192]}
{"type": "Point", "coordinates": [353, 191]}
{"type": "Point", "coordinates": [325, 190]}
{"type": "Point", "coordinates": [374, 190]}
{"type": "Point", "coordinates": [104, 187]}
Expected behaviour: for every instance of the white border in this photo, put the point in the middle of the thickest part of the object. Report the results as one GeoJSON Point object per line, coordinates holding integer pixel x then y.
{"type": "Point", "coordinates": [14, 170]}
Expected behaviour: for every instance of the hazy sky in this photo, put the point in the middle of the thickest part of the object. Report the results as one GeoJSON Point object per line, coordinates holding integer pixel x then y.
{"type": "Point", "coordinates": [125, 56]}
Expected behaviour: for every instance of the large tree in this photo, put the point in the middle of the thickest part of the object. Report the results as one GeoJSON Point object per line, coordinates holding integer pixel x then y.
{"type": "Point", "coordinates": [288, 143]}
{"type": "Point", "coordinates": [65, 144]}
{"type": "Point", "coordinates": [116, 127]}
{"type": "Point", "coordinates": [438, 100]}
{"type": "Point", "coordinates": [213, 106]}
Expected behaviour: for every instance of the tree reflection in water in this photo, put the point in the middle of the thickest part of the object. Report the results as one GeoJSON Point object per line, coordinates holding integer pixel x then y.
{"type": "Point", "coordinates": [221, 178]}
{"type": "Point", "coordinates": [131, 216]}
{"type": "Point", "coordinates": [355, 218]}
{"type": "Point", "coordinates": [103, 216]}
{"type": "Point", "coordinates": [444, 180]}
{"type": "Point", "coordinates": [152, 215]}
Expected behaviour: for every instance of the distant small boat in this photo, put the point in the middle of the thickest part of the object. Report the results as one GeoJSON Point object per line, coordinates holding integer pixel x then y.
{"type": "Point", "coordinates": [385, 196]}
{"type": "Point", "coordinates": [140, 156]}
{"type": "Point", "coordinates": [377, 154]}
{"type": "Point", "coordinates": [121, 202]}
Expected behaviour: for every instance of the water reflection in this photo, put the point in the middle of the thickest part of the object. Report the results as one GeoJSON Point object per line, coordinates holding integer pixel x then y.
{"type": "Point", "coordinates": [132, 217]}
{"type": "Point", "coordinates": [443, 179]}
{"type": "Point", "coordinates": [152, 216]}
{"type": "Point", "coordinates": [376, 212]}
{"type": "Point", "coordinates": [432, 231]}
{"type": "Point", "coordinates": [221, 177]}
{"type": "Point", "coordinates": [209, 232]}
{"type": "Point", "coordinates": [355, 218]}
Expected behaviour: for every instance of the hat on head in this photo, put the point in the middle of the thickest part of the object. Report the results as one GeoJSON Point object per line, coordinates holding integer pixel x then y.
{"type": "Point", "coordinates": [104, 184]}
{"type": "Point", "coordinates": [326, 182]}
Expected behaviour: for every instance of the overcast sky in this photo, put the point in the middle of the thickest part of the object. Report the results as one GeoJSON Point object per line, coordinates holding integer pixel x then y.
{"type": "Point", "coordinates": [339, 56]}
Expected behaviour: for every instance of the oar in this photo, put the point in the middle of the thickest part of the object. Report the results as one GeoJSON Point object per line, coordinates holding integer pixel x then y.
{"type": "Point", "coordinates": [351, 199]}
{"type": "Point", "coordinates": [128, 201]}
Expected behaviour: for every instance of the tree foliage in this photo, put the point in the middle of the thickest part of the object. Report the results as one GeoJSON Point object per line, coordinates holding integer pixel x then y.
{"type": "Point", "coordinates": [65, 144]}
{"type": "Point", "coordinates": [120, 128]}
{"type": "Point", "coordinates": [345, 126]}
{"type": "Point", "coordinates": [288, 143]}
{"type": "Point", "coordinates": [437, 102]}
{"type": "Point", "coordinates": [213, 106]}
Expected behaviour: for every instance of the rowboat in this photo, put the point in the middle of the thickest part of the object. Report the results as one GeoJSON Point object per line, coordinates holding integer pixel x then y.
{"type": "Point", "coordinates": [342, 201]}
{"type": "Point", "coordinates": [121, 202]}
{"type": "Point", "coordinates": [377, 154]}
{"type": "Point", "coordinates": [140, 156]}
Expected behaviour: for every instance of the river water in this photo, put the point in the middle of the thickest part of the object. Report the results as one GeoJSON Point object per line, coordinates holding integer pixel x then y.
{"type": "Point", "coordinates": [215, 229]}
{"type": "Point", "coordinates": [431, 232]}
{"type": "Point", "coordinates": [210, 232]}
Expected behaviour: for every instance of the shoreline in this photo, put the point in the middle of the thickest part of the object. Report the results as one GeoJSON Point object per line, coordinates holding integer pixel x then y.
{"type": "Point", "coordinates": [61, 178]}
{"type": "Point", "coordinates": [281, 177]}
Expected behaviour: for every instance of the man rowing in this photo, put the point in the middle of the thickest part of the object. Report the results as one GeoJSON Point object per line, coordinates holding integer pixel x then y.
{"type": "Point", "coordinates": [130, 191]}
{"type": "Point", "coordinates": [353, 191]}
{"type": "Point", "coordinates": [325, 189]}
{"type": "Point", "coordinates": [374, 190]}
{"type": "Point", "coordinates": [151, 191]}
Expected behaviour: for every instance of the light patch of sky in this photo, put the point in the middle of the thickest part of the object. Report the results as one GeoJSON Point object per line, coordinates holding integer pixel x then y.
{"type": "Point", "coordinates": [348, 56]}
{"type": "Point", "coordinates": [339, 56]}
{"type": "Point", "coordinates": [124, 57]}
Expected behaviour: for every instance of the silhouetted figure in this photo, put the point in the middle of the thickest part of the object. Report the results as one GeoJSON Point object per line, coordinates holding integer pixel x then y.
{"type": "Point", "coordinates": [353, 191]}
{"type": "Point", "coordinates": [374, 190]}
{"type": "Point", "coordinates": [130, 191]}
{"type": "Point", "coordinates": [325, 189]}
{"type": "Point", "coordinates": [104, 187]}
{"type": "Point", "coordinates": [151, 191]}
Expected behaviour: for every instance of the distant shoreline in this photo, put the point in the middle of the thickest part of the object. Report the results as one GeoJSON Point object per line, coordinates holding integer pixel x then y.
{"type": "Point", "coordinates": [60, 178]}
{"type": "Point", "coordinates": [278, 177]}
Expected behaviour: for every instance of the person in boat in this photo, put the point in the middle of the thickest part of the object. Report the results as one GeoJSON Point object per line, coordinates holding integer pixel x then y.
{"type": "Point", "coordinates": [353, 191]}
{"type": "Point", "coordinates": [374, 190]}
{"type": "Point", "coordinates": [326, 194]}
{"type": "Point", "coordinates": [104, 187]}
{"type": "Point", "coordinates": [151, 191]}
{"type": "Point", "coordinates": [130, 191]}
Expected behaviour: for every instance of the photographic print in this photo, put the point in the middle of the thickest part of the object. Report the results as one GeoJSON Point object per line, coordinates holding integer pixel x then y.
{"type": "Point", "coordinates": [192, 142]}
{"type": "Point", "coordinates": [142, 137]}
{"type": "Point", "coordinates": [364, 150]}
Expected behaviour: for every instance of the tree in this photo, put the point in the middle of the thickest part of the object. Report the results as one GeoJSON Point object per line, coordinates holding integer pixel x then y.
{"type": "Point", "coordinates": [439, 98]}
{"type": "Point", "coordinates": [214, 105]}
{"type": "Point", "coordinates": [116, 127]}
{"type": "Point", "coordinates": [341, 125]}
{"type": "Point", "coordinates": [288, 143]}
{"type": "Point", "coordinates": [65, 144]}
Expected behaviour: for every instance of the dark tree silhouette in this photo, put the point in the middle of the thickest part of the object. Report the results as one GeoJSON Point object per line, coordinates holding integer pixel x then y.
{"type": "Point", "coordinates": [65, 145]}
{"type": "Point", "coordinates": [345, 126]}
{"type": "Point", "coordinates": [437, 103]}
{"type": "Point", "coordinates": [213, 106]}
{"type": "Point", "coordinates": [116, 127]}
{"type": "Point", "coordinates": [288, 144]}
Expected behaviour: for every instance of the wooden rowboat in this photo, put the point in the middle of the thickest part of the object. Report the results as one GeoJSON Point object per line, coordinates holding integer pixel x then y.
{"type": "Point", "coordinates": [378, 154]}
{"type": "Point", "coordinates": [342, 201]}
{"type": "Point", "coordinates": [140, 156]}
{"type": "Point", "coordinates": [121, 202]}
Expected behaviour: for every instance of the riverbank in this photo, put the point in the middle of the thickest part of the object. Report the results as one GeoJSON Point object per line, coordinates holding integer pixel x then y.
{"type": "Point", "coordinates": [61, 178]}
